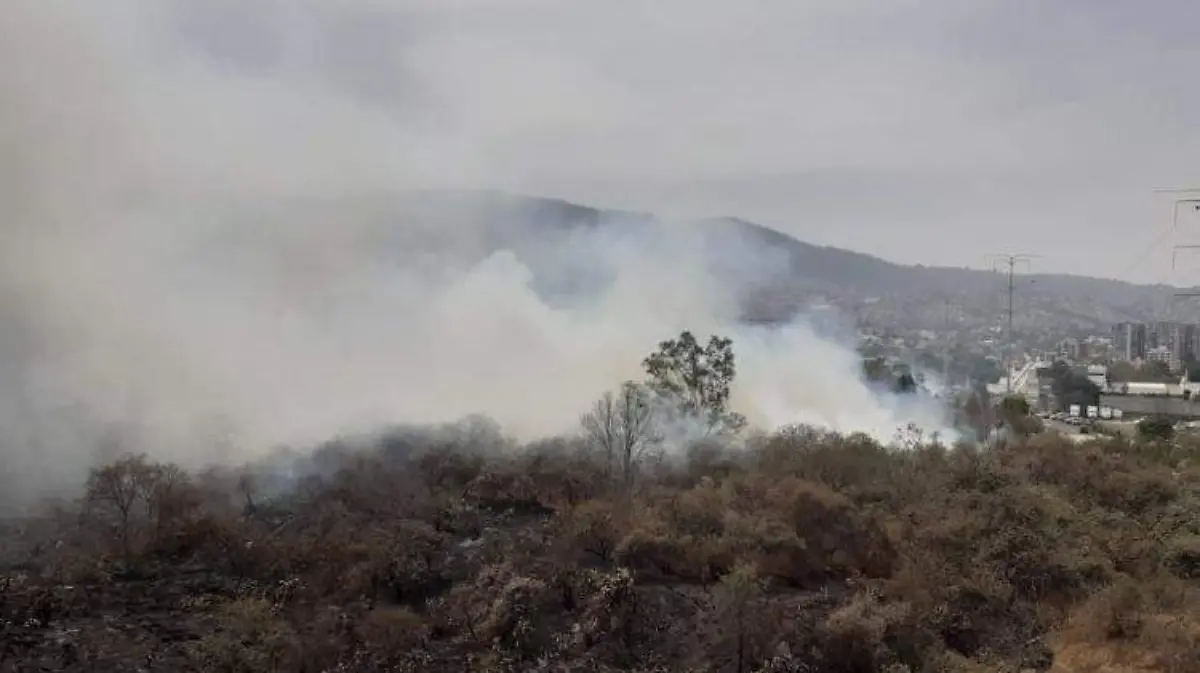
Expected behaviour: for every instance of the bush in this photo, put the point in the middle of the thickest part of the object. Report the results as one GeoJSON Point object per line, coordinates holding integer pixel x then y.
{"type": "Point", "coordinates": [1156, 428]}
{"type": "Point", "coordinates": [800, 550]}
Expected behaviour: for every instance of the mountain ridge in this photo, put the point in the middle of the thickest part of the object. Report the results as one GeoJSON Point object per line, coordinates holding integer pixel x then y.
{"type": "Point", "coordinates": [875, 288]}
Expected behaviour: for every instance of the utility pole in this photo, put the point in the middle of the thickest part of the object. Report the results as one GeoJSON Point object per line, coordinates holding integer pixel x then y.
{"type": "Point", "coordinates": [1010, 260]}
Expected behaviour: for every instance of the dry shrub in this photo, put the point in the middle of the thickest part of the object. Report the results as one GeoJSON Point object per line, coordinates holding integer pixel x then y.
{"type": "Point", "coordinates": [779, 553]}
{"type": "Point", "coordinates": [697, 512]}
{"type": "Point", "coordinates": [449, 469]}
{"type": "Point", "coordinates": [796, 531]}
{"type": "Point", "coordinates": [857, 637]}
{"type": "Point", "coordinates": [592, 530]}
{"type": "Point", "coordinates": [563, 477]}
{"type": "Point", "coordinates": [655, 556]}
{"type": "Point", "coordinates": [391, 635]}
{"type": "Point", "coordinates": [1183, 556]}
{"type": "Point", "coordinates": [411, 568]}
{"type": "Point", "coordinates": [744, 630]}
{"type": "Point", "coordinates": [248, 638]}
{"type": "Point", "coordinates": [1131, 627]}
{"type": "Point", "coordinates": [519, 619]}
{"type": "Point", "coordinates": [839, 540]}
{"type": "Point", "coordinates": [863, 559]}
{"type": "Point", "coordinates": [1114, 475]}
{"type": "Point", "coordinates": [505, 489]}
{"type": "Point", "coordinates": [853, 462]}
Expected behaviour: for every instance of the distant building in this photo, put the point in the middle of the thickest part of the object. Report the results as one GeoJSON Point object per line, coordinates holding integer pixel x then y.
{"type": "Point", "coordinates": [1163, 354]}
{"type": "Point", "coordinates": [1172, 343]}
{"type": "Point", "coordinates": [1179, 339]}
{"type": "Point", "coordinates": [1069, 349]}
{"type": "Point", "coordinates": [1129, 341]}
{"type": "Point", "coordinates": [1152, 405]}
{"type": "Point", "coordinates": [1143, 388]}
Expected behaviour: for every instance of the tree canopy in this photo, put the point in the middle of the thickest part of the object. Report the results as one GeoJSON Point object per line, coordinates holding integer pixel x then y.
{"type": "Point", "coordinates": [898, 378]}
{"type": "Point", "coordinates": [696, 377]}
{"type": "Point", "coordinates": [1072, 387]}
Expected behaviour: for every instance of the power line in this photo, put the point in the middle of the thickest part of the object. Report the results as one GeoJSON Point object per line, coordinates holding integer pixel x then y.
{"type": "Point", "coordinates": [1195, 203]}
{"type": "Point", "coordinates": [1011, 260]}
{"type": "Point", "coordinates": [1171, 228]}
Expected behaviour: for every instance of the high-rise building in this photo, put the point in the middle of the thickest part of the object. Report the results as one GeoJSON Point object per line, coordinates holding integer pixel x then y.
{"type": "Point", "coordinates": [1171, 342]}
{"type": "Point", "coordinates": [1186, 345]}
{"type": "Point", "coordinates": [1129, 340]}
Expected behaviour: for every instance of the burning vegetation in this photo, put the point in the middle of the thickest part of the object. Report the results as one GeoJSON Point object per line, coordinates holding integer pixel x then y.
{"type": "Point", "coordinates": [457, 549]}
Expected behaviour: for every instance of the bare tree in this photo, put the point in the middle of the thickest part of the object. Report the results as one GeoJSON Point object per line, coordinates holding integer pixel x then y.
{"type": "Point", "coordinates": [621, 426]}
{"type": "Point", "coordinates": [115, 489]}
{"type": "Point", "coordinates": [247, 485]}
{"type": "Point", "coordinates": [139, 497]}
{"type": "Point", "coordinates": [171, 498]}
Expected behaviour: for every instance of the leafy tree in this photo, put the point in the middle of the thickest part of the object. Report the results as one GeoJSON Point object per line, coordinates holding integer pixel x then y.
{"type": "Point", "coordinates": [1157, 371]}
{"type": "Point", "coordinates": [899, 379]}
{"type": "Point", "coordinates": [905, 384]}
{"type": "Point", "coordinates": [1121, 372]}
{"type": "Point", "coordinates": [1192, 367]}
{"type": "Point", "coordinates": [1015, 411]}
{"type": "Point", "coordinates": [986, 371]}
{"type": "Point", "coordinates": [1071, 387]}
{"type": "Point", "coordinates": [1153, 372]}
{"type": "Point", "coordinates": [1156, 428]}
{"type": "Point", "coordinates": [696, 377]}
{"type": "Point", "coordinates": [1015, 406]}
{"type": "Point", "coordinates": [876, 370]}
{"type": "Point", "coordinates": [976, 413]}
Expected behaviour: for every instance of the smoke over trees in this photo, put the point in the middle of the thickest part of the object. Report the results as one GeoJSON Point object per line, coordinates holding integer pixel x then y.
{"type": "Point", "coordinates": [697, 378]}
{"type": "Point", "coordinates": [687, 389]}
{"type": "Point", "coordinates": [622, 427]}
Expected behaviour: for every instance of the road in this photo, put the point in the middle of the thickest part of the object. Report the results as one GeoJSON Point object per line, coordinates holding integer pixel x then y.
{"type": "Point", "coordinates": [1127, 428]}
{"type": "Point", "coordinates": [1020, 380]}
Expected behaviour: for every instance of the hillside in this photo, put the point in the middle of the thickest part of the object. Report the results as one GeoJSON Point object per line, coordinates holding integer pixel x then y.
{"type": "Point", "coordinates": [802, 552]}
{"type": "Point", "coordinates": [777, 275]}
{"type": "Point", "coordinates": [865, 285]}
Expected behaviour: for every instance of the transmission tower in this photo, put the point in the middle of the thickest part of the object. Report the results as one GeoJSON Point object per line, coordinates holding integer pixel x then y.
{"type": "Point", "coordinates": [1010, 260]}
{"type": "Point", "coordinates": [1195, 205]}
{"type": "Point", "coordinates": [1190, 199]}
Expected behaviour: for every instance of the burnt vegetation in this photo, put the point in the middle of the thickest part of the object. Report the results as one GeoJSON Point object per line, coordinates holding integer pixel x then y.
{"type": "Point", "coordinates": [455, 549]}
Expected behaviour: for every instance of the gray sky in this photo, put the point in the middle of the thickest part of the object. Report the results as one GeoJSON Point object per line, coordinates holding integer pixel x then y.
{"type": "Point", "coordinates": [930, 131]}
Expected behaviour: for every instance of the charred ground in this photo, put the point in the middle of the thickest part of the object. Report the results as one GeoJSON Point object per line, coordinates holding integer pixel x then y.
{"type": "Point", "coordinates": [801, 551]}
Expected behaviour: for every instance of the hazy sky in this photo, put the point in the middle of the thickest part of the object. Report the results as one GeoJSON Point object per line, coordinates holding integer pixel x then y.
{"type": "Point", "coordinates": [930, 131]}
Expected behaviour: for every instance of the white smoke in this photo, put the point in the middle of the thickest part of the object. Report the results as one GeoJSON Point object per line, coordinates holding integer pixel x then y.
{"type": "Point", "coordinates": [201, 258]}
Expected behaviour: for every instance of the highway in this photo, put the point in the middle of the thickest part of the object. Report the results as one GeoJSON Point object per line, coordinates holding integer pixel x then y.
{"type": "Point", "coordinates": [1020, 380]}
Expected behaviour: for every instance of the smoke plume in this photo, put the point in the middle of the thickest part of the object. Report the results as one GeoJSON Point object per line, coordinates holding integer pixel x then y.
{"type": "Point", "coordinates": [206, 260]}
